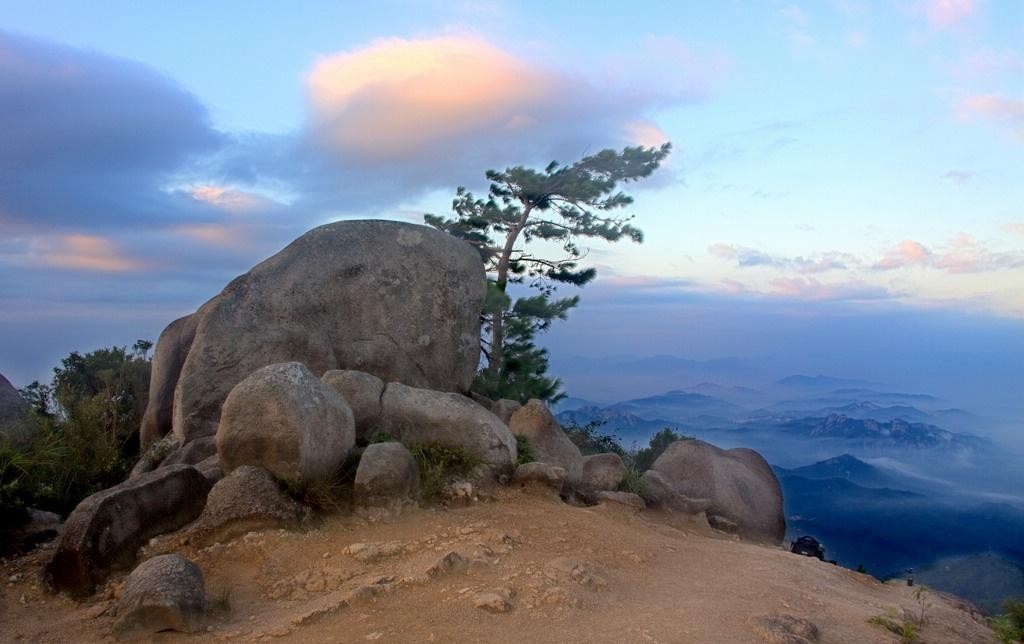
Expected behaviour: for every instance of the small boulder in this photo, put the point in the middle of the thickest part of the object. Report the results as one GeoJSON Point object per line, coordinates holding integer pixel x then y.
{"type": "Point", "coordinates": [362, 391]}
{"type": "Point", "coordinates": [423, 416]}
{"type": "Point", "coordinates": [740, 485]}
{"type": "Point", "coordinates": [504, 409]}
{"type": "Point", "coordinates": [549, 441]}
{"type": "Point", "coordinates": [164, 593]}
{"type": "Point", "coordinates": [387, 474]}
{"type": "Point", "coordinates": [107, 528]}
{"type": "Point", "coordinates": [659, 492]}
{"type": "Point", "coordinates": [601, 472]}
{"type": "Point", "coordinates": [247, 499]}
{"type": "Point", "coordinates": [193, 452]}
{"type": "Point", "coordinates": [549, 475]}
{"type": "Point", "coordinates": [284, 419]}
{"type": "Point", "coordinates": [500, 600]}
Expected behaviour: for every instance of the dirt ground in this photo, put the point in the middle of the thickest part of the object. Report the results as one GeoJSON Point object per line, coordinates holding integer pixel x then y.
{"type": "Point", "coordinates": [523, 567]}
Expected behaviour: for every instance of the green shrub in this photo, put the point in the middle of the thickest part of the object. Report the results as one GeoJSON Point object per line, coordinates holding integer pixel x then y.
{"type": "Point", "coordinates": [631, 481]}
{"type": "Point", "coordinates": [525, 451]}
{"type": "Point", "coordinates": [84, 434]}
{"type": "Point", "coordinates": [644, 458]}
{"type": "Point", "coordinates": [437, 463]}
{"type": "Point", "coordinates": [907, 631]}
{"type": "Point", "coordinates": [1009, 626]}
{"type": "Point", "coordinates": [590, 439]}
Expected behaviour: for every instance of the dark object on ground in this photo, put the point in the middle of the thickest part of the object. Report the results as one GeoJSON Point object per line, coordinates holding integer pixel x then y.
{"type": "Point", "coordinates": [106, 529]}
{"type": "Point", "coordinates": [809, 547]}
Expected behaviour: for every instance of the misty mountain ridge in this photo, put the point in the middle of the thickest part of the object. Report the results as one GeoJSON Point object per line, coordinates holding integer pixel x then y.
{"type": "Point", "coordinates": [896, 433]}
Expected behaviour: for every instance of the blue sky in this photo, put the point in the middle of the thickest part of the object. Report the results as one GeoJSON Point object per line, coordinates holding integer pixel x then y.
{"type": "Point", "coordinates": [854, 164]}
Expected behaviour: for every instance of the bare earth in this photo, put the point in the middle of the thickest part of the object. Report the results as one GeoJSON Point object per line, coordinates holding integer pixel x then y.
{"type": "Point", "coordinates": [522, 567]}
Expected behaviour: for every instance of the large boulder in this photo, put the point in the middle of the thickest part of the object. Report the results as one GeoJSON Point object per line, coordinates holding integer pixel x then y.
{"type": "Point", "coordinates": [421, 416]}
{"type": "Point", "coordinates": [659, 492]}
{"type": "Point", "coordinates": [739, 484]}
{"type": "Point", "coordinates": [393, 299]}
{"type": "Point", "coordinates": [164, 593]}
{"type": "Point", "coordinates": [551, 445]}
{"type": "Point", "coordinates": [247, 499]}
{"type": "Point", "coordinates": [362, 391]}
{"type": "Point", "coordinates": [106, 529]}
{"type": "Point", "coordinates": [13, 411]}
{"type": "Point", "coordinates": [387, 475]}
{"type": "Point", "coordinates": [601, 472]}
{"type": "Point", "coordinates": [171, 350]}
{"type": "Point", "coordinates": [286, 420]}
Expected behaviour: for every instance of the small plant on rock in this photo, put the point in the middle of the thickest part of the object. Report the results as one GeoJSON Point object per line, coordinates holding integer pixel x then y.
{"type": "Point", "coordinates": [437, 463]}
{"type": "Point", "coordinates": [525, 451]}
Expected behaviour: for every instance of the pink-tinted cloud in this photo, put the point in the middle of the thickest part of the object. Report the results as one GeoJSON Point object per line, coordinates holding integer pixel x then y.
{"type": "Point", "coordinates": [86, 253]}
{"type": "Point", "coordinates": [810, 289]}
{"type": "Point", "coordinates": [947, 14]}
{"type": "Point", "coordinates": [963, 254]}
{"type": "Point", "coordinates": [396, 97]}
{"type": "Point", "coordinates": [227, 198]}
{"type": "Point", "coordinates": [1015, 227]}
{"type": "Point", "coordinates": [907, 253]}
{"type": "Point", "coordinates": [1005, 111]}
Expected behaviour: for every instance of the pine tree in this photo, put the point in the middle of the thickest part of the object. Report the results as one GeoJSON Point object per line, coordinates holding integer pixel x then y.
{"type": "Point", "coordinates": [559, 205]}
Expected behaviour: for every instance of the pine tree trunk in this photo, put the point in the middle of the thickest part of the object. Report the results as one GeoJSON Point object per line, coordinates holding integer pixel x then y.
{"type": "Point", "coordinates": [497, 356]}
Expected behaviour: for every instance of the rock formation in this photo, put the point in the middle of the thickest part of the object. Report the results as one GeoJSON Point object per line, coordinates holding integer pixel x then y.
{"type": "Point", "coordinates": [414, 415]}
{"type": "Point", "coordinates": [107, 528]}
{"type": "Point", "coordinates": [164, 593]}
{"type": "Point", "coordinates": [549, 441]}
{"type": "Point", "coordinates": [397, 300]}
{"type": "Point", "coordinates": [12, 409]}
{"type": "Point", "coordinates": [387, 475]}
{"type": "Point", "coordinates": [171, 350]}
{"type": "Point", "coordinates": [739, 484]}
{"type": "Point", "coordinates": [286, 420]}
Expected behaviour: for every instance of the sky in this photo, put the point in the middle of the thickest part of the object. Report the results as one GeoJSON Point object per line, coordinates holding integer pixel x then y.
{"type": "Point", "coordinates": [845, 192]}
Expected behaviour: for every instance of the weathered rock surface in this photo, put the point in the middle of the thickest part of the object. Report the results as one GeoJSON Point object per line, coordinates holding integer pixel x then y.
{"type": "Point", "coordinates": [106, 529]}
{"type": "Point", "coordinates": [154, 455]}
{"type": "Point", "coordinates": [543, 473]}
{"type": "Point", "coordinates": [782, 628]}
{"type": "Point", "coordinates": [549, 441]}
{"type": "Point", "coordinates": [171, 350]}
{"type": "Point", "coordinates": [504, 409]}
{"type": "Point", "coordinates": [739, 484]}
{"type": "Point", "coordinates": [601, 472]}
{"type": "Point", "coordinates": [13, 410]}
{"type": "Point", "coordinates": [211, 469]}
{"type": "Point", "coordinates": [247, 499]}
{"type": "Point", "coordinates": [659, 492]}
{"type": "Point", "coordinates": [393, 299]}
{"type": "Point", "coordinates": [163, 593]}
{"type": "Point", "coordinates": [362, 391]}
{"type": "Point", "coordinates": [192, 453]}
{"type": "Point", "coordinates": [414, 416]}
{"type": "Point", "coordinates": [286, 420]}
{"type": "Point", "coordinates": [622, 498]}
{"type": "Point", "coordinates": [387, 474]}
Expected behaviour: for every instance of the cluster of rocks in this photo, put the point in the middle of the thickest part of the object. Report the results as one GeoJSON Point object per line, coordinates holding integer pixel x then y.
{"type": "Point", "coordinates": [349, 347]}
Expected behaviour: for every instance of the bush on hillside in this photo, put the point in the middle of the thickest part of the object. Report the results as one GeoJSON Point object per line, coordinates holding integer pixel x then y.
{"type": "Point", "coordinates": [85, 436]}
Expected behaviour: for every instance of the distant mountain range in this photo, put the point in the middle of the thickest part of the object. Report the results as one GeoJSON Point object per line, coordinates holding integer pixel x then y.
{"type": "Point", "coordinates": [887, 529]}
{"type": "Point", "coordinates": [986, 579]}
{"type": "Point", "coordinates": [863, 424]}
